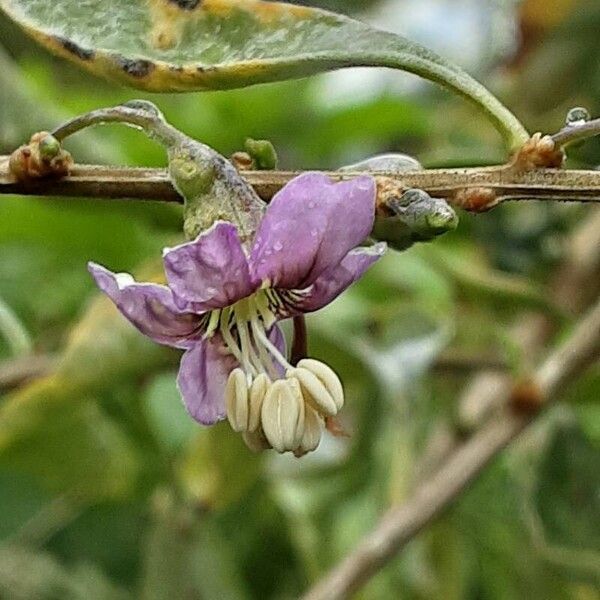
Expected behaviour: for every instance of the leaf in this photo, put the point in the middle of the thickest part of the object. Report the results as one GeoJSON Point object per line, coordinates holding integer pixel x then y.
{"type": "Point", "coordinates": [567, 495]}
{"type": "Point", "coordinates": [187, 556]}
{"type": "Point", "coordinates": [178, 45]}
{"type": "Point", "coordinates": [30, 575]}
{"type": "Point", "coordinates": [68, 443]}
{"type": "Point", "coordinates": [167, 416]}
{"type": "Point", "coordinates": [216, 469]}
{"type": "Point", "coordinates": [53, 430]}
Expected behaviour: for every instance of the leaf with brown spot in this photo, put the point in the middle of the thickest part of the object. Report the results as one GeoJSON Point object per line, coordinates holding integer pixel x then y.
{"type": "Point", "coordinates": [182, 45]}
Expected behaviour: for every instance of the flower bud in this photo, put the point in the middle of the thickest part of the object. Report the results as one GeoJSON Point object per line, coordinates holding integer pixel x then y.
{"type": "Point", "coordinates": [320, 385]}
{"type": "Point", "coordinates": [282, 415]}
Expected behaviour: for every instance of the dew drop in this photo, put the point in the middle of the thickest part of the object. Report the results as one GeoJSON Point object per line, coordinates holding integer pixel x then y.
{"type": "Point", "coordinates": [312, 204]}
{"type": "Point", "coordinates": [314, 232]}
{"type": "Point", "coordinates": [577, 117]}
{"type": "Point", "coordinates": [278, 246]}
{"type": "Point", "coordinates": [211, 291]}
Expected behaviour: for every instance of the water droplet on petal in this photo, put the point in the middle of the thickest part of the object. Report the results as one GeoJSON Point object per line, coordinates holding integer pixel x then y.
{"type": "Point", "coordinates": [577, 116]}
{"type": "Point", "coordinates": [314, 232]}
{"type": "Point", "coordinates": [211, 291]}
{"type": "Point", "coordinates": [278, 246]}
{"type": "Point", "coordinates": [312, 204]}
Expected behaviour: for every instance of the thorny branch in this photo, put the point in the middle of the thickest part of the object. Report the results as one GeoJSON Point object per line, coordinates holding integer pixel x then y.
{"type": "Point", "coordinates": [400, 524]}
{"type": "Point", "coordinates": [506, 183]}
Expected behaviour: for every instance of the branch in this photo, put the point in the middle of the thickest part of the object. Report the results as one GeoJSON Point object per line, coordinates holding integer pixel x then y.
{"type": "Point", "coordinates": [505, 183]}
{"type": "Point", "coordinates": [400, 524]}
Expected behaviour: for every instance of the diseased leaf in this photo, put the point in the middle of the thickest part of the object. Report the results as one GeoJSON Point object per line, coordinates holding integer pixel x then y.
{"type": "Point", "coordinates": [178, 45]}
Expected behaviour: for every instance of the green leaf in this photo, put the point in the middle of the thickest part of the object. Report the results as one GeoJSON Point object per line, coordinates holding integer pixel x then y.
{"type": "Point", "coordinates": [167, 417]}
{"type": "Point", "coordinates": [187, 556]}
{"type": "Point", "coordinates": [27, 574]}
{"type": "Point", "coordinates": [69, 444]}
{"type": "Point", "coordinates": [216, 469]}
{"type": "Point", "coordinates": [54, 430]}
{"type": "Point", "coordinates": [178, 45]}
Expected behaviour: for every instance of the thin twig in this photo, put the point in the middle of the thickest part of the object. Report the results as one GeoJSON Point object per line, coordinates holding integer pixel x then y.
{"type": "Point", "coordinates": [456, 361]}
{"type": "Point", "coordinates": [577, 133]}
{"type": "Point", "coordinates": [573, 287]}
{"type": "Point", "coordinates": [13, 331]}
{"type": "Point", "coordinates": [96, 181]}
{"type": "Point", "coordinates": [16, 371]}
{"type": "Point", "coordinates": [400, 524]}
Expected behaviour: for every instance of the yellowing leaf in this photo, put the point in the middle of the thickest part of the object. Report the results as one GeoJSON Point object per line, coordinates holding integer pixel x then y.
{"type": "Point", "coordinates": [178, 45]}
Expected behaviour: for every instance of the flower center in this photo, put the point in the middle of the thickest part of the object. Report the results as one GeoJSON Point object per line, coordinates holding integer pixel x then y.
{"type": "Point", "coordinates": [243, 327]}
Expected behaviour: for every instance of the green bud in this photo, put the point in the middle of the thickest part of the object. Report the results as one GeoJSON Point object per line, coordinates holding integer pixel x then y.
{"type": "Point", "coordinates": [49, 147]}
{"type": "Point", "coordinates": [263, 154]}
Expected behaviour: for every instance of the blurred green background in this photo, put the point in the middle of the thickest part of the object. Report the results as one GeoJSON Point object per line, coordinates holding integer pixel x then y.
{"type": "Point", "coordinates": [109, 491]}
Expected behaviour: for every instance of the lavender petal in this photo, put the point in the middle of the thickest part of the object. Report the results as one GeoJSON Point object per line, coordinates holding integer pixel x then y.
{"type": "Point", "coordinates": [211, 272]}
{"type": "Point", "coordinates": [334, 281]}
{"type": "Point", "coordinates": [150, 307]}
{"type": "Point", "coordinates": [309, 226]}
{"type": "Point", "coordinates": [202, 379]}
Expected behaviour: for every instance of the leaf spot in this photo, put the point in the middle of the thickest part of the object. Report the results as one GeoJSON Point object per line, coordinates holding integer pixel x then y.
{"type": "Point", "coordinates": [136, 68]}
{"type": "Point", "coordinates": [73, 48]}
{"type": "Point", "coordinates": [185, 4]}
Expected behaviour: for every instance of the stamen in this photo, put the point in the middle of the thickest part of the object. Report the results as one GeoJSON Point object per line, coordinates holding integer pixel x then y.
{"type": "Point", "coordinates": [261, 336]}
{"type": "Point", "coordinates": [228, 339]}
{"type": "Point", "coordinates": [213, 323]}
{"type": "Point", "coordinates": [247, 350]}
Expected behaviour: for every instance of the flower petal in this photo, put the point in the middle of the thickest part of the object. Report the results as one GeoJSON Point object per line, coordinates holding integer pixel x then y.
{"type": "Point", "coordinates": [149, 307]}
{"type": "Point", "coordinates": [335, 280]}
{"type": "Point", "coordinates": [210, 272]}
{"type": "Point", "coordinates": [309, 226]}
{"type": "Point", "coordinates": [202, 379]}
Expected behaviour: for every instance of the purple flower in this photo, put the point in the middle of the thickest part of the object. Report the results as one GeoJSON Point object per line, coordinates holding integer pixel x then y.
{"type": "Point", "coordinates": [222, 304]}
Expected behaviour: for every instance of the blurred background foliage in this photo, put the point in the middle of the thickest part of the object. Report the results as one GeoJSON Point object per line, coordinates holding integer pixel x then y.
{"type": "Point", "coordinates": [108, 490]}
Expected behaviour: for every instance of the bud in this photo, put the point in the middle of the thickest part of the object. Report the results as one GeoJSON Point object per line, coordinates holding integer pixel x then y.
{"type": "Point", "coordinates": [320, 385]}
{"type": "Point", "coordinates": [49, 147]}
{"type": "Point", "coordinates": [282, 415]}
{"type": "Point", "coordinates": [262, 153]}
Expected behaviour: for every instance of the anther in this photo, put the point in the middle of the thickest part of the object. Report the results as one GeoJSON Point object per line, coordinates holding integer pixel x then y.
{"type": "Point", "coordinates": [236, 400]}
{"type": "Point", "coordinates": [328, 378]}
{"type": "Point", "coordinates": [282, 415]}
{"type": "Point", "coordinates": [321, 387]}
{"type": "Point", "coordinates": [258, 390]}
{"type": "Point", "coordinates": [313, 427]}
